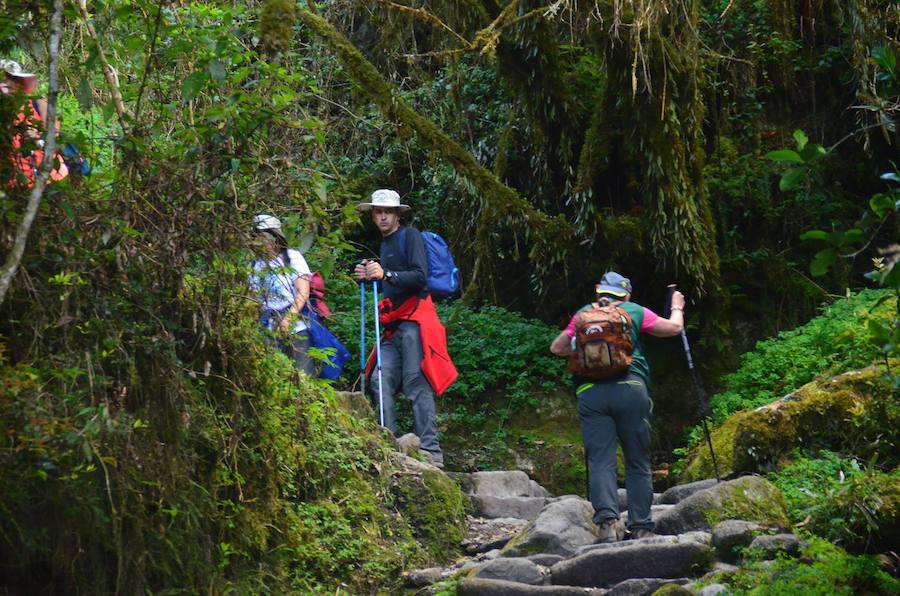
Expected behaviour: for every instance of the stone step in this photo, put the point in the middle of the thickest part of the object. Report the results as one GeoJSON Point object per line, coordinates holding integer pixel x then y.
{"type": "Point", "coordinates": [474, 586]}
{"type": "Point", "coordinates": [610, 564]}
{"type": "Point", "coordinates": [526, 508]}
{"type": "Point", "coordinates": [485, 534]}
{"type": "Point", "coordinates": [503, 484]}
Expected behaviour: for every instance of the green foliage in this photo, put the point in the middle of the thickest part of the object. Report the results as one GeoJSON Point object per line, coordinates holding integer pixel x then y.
{"type": "Point", "coordinates": [153, 438]}
{"type": "Point", "coordinates": [86, 128]}
{"type": "Point", "coordinates": [830, 572]}
{"type": "Point", "coordinates": [498, 349]}
{"type": "Point", "coordinates": [804, 482]}
{"type": "Point", "coordinates": [851, 413]}
{"type": "Point", "coordinates": [834, 342]}
{"type": "Point", "coordinates": [850, 505]}
{"type": "Point", "coordinates": [805, 158]}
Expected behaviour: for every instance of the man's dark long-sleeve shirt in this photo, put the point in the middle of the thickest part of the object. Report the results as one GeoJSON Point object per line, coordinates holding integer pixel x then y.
{"type": "Point", "coordinates": [410, 267]}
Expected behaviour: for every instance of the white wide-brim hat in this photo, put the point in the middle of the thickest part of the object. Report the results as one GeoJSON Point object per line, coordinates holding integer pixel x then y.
{"type": "Point", "coordinates": [14, 69]}
{"type": "Point", "coordinates": [383, 197]}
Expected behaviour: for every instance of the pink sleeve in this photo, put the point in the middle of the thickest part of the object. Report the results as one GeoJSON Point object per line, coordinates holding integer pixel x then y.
{"type": "Point", "coordinates": [570, 328]}
{"type": "Point", "coordinates": [649, 319]}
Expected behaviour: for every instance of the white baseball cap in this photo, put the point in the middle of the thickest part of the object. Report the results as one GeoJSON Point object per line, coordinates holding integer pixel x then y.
{"type": "Point", "coordinates": [384, 197]}
{"type": "Point", "coordinates": [264, 222]}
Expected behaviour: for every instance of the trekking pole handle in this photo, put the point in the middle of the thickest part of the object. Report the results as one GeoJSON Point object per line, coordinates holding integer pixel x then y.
{"type": "Point", "coordinates": [667, 311]}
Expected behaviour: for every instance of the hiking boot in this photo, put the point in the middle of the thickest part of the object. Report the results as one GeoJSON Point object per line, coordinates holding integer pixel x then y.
{"type": "Point", "coordinates": [639, 533]}
{"type": "Point", "coordinates": [435, 460]}
{"type": "Point", "coordinates": [607, 533]}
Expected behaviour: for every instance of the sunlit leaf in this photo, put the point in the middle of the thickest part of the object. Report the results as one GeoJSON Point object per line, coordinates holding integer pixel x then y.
{"type": "Point", "coordinates": [791, 178]}
{"type": "Point", "coordinates": [785, 155]}
{"type": "Point", "coordinates": [814, 235]}
{"type": "Point", "coordinates": [882, 204]}
{"type": "Point", "coordinates": [823, 260]}
{"type": "Point", "coordinates": [801, 139]}
{"type": "Point", "coordinates": [216, 70]}
{"type": "Point", "coordinates": [193, 84]}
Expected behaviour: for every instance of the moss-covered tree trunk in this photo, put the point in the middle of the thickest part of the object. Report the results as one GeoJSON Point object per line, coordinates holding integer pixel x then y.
{"type": "Point", "coordinates": [501, 205]}
{"type": "Point", "coordinates": [657, 79]}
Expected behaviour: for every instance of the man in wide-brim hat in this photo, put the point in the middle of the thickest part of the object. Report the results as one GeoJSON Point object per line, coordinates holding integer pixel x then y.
{"type": "Point", "coordinates": [413, 333]}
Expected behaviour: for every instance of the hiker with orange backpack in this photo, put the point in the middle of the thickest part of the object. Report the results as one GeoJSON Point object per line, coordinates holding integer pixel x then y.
{"type": "Point", "coordinates": [611, 378]}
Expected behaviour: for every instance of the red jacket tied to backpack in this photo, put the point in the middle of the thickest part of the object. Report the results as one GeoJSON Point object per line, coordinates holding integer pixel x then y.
{"type": "Point", "coordinates": [27, 165]}
{"type": "Point", "coordinates": [437, 366]}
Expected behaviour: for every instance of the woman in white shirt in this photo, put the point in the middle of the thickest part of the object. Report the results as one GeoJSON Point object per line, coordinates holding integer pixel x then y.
{"type": "Point", "coordinates": [281, 281]}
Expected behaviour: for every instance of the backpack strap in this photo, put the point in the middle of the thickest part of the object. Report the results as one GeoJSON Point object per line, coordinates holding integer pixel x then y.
{"type": "Point", "coordinates": [401, 240]}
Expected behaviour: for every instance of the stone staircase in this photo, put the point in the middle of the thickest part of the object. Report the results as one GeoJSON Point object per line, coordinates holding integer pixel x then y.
{"type": "Point", "coordinates": [523, 541]}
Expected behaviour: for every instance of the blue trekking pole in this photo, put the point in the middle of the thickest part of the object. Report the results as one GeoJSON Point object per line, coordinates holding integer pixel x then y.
{"type": "Point", "coordinates": [378, 353]}
{"type": "Point", "coordinates": [362, 337]}
{"type": "Point", "coordinates": [698, 385]}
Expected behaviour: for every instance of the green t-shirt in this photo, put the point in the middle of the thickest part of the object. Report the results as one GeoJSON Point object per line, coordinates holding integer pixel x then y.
{"type": "Point", "coordinates": [639, 364]}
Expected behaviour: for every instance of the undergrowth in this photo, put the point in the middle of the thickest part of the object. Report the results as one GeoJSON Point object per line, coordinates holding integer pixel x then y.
{"type": "Point", "coordinates": [829, 571]}
{"type": "Point", "coordinates": [834, 342]}
{"type": "Point", "coordinates": [852, 505]}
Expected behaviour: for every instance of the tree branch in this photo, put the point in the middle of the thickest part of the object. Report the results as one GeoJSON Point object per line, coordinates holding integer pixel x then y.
{"type": "Point", "coordinates": [499, 199]}
{"type": "Point", "coordinates": [11, 266]}
{"type": "Point", "coordinates": [108, 72]}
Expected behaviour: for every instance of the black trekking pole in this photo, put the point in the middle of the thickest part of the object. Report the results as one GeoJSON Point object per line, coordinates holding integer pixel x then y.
{"type": "Point", "coordinates": [698, 385]}
{"type": "Point", "coordinates": [587, 475]}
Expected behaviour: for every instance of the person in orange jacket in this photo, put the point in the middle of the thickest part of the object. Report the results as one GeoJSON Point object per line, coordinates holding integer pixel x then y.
{"type": "Point", "coordinates": [414, 345]}
{"type": "Point", "coordinates": [28, 153]}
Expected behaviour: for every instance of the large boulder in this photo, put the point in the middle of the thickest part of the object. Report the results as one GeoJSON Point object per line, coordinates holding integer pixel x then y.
{"type": "Point", "coordinates": [644, 586]}
{"type": "Point", "coordinates": [818, 413]}
{"type": "Point", "coordinates": [663, 559]}
{"type": "Point", "coordinates": [511, 483]}
{"type": "Point", "coordinates": [561, 527]}
{"type": "Point", "coordinates": [772, 546]}
{"type": "Point", "coordinates": [682, 491]}
{"type": "Point", "coordinates": [432, 504]}
{"type": "Point", "coordinates": [488, 534]}
{"type": "Point", "coordinates": [749, 498]}
{"type": "Point", "coordinates": [502, 507]}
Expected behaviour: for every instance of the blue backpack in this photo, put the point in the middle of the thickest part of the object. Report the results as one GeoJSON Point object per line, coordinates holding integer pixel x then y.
{"type": "Point", "coordinates": [443, 275]}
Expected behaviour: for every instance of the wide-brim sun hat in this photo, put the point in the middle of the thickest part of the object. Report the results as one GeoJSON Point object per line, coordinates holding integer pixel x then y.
{"type": "Point", "coordinates": [615, 284]}
{"type": "Point", "coordinates": [14, 69]}
{"type": "Point", "coordinates": [384, 197]}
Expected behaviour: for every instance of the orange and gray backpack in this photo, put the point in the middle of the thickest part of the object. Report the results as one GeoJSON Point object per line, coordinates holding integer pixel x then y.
{"type": "Point", "coordinates": [603, 342]}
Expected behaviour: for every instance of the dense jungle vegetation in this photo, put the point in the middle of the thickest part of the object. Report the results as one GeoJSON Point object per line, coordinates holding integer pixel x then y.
{"type": "Point", "coordinates": [747, 151]}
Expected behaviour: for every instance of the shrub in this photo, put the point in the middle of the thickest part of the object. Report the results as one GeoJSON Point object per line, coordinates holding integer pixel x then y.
{"type": "Point", "coordinates": [849, 505]}
{"type": "Point", "coordinates": [832, 343]}
{"type": "Point", "coordinates": [807, 479]}
{"type": "Point", "coordinates": [829, 572]}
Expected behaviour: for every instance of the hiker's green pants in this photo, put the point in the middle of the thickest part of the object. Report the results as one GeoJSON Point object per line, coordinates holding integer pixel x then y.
{"type": "Point", "coordinates": [618, 409]}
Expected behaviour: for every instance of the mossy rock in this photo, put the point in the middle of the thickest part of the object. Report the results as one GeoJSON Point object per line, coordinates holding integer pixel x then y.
{"type": "Point", "coordinates": [673, 590]}
{"type": "Point", "coordinates": [851, 412]}
{"type": "Point", "coordinates": [432, 504]}
{"type": "Point", "coordinates": [749, 498]}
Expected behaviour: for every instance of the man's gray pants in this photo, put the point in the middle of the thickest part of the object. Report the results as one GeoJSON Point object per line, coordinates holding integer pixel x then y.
{"type": "Point", "coordinates": [608, 410]}
{"type": "Point", "coordinates": [401, 368]}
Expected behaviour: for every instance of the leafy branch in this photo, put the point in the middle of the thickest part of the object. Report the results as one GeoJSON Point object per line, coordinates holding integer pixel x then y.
{"type": "Point", "coordinates": [11, 266]}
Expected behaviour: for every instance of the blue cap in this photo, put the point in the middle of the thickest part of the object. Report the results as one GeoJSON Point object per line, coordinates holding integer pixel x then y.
{"type": "Point", "coordinates": [615, 284]}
